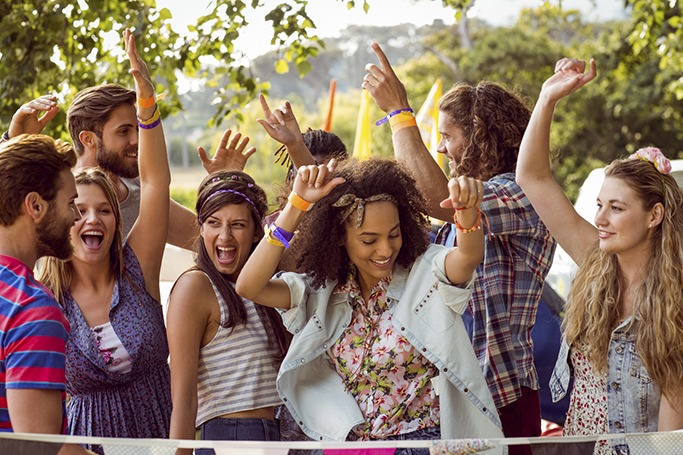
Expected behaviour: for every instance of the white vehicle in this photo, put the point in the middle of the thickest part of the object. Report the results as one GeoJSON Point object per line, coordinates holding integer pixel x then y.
{"type": "Point", "coordinates": [563, 269]}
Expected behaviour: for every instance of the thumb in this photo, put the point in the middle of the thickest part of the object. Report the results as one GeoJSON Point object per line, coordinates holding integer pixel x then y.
{"type": "Point", "coordinates": [203, 156]}
{"type": "Point", "coordinates": [49, 115]}
{"type": "Point", "coordinates": [446, 204]}
{"type": "Point", "coordinates": [332, 184]}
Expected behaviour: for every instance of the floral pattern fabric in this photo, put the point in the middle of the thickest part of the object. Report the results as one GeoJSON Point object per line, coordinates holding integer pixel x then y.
{"type": "Point", "coordinates": [389, 379]}
{"type": "Point", "coordinates": [587, 413]}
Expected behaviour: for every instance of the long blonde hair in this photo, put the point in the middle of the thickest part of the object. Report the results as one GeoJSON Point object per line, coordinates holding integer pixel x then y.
{"type": "Point", "coordinates": [57, 274]}
{"type": "Point", "coordinates": [593, 309]}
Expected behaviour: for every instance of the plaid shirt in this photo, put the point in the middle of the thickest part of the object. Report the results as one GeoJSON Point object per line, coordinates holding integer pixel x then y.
{"type": "Point", "coordinates": [518, 253]}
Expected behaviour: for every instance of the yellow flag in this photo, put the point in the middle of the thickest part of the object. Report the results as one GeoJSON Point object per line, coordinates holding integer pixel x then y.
{"type": "Point", "coordinates": [361, 145]}
{"type": "Point", "coordinates": [427, 122]}
{"type": "Point", "coordinates": [327, 123]}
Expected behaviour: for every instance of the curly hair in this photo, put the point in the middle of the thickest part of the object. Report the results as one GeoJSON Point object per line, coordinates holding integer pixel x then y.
{"type": "Point", "coordinates": [216, 191]}
{"type": "Point", "coordinates": [593, 310]}
{"type": "Point", "coordinates": [57, 274]}
{"type": "Point", "coordinates": [493, 120]}
{"type": "Point", "coordinates": [323, 230]}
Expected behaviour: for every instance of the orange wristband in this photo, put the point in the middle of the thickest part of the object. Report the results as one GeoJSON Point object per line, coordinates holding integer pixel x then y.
{"type": "Point", "coordinates": [147, 102]}
{"type": "Point", "coordinates": [298, 202]}
{"type": "Point", "coordinates": [401, 125]}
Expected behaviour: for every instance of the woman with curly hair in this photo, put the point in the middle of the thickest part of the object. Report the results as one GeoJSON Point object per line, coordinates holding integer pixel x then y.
{"type": "Point", "coordinates": [225, 351]}
{"type": "Point", "coordinates": [623, 321]}
{"type": "Point", "coordinates": [379, 348]}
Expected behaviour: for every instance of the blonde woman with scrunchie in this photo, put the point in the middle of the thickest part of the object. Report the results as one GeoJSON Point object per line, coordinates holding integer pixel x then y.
{"type": "Point", "coordinates": [622, 328]}
{"type": "Point", "coordinates": [379, 349]}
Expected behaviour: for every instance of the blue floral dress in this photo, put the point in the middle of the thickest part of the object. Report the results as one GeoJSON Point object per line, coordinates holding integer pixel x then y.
{"type": "Point", "coordinates": [123, 405]}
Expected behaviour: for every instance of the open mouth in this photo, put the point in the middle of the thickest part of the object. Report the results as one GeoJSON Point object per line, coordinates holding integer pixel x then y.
{"type": "Point", "coordinates": [92, 239]}
{"type": "Point", "coordinates": [381, 264]}
{"type": "Point", "coordinates": [226, 255]}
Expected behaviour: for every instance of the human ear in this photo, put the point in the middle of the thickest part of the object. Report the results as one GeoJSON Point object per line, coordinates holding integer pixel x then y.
{"type": "Point", "coordinates": [88, 139]}
{"type": "Point", "coordinates": [656, 215]}
{"type": "Point", "coordinates": [35, 206]}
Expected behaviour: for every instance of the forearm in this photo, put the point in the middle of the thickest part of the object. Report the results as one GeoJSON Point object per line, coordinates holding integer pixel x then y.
{"type": "Point", "coordinates": [464, 259]}
{"type": "Point", "coordinates": [533, 162]}
{"type": "Point", "coordinates": [152, 157]}
{"type": "Point", "coordinates": [410, 151]}
{"type": "Point", "coordinates": [255, 277]}
{"type": "Point", "coordinates": [300, 155]}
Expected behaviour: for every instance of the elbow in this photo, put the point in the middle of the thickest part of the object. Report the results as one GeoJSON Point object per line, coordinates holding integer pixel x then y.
{"type": "Point", "coordinates": [244, 290]}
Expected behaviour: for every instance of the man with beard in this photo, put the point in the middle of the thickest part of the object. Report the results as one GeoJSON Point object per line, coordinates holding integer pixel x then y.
{"type": "Point", "coordinates": [37, 211]}
{"type": "Point", "coordinates": [481, 130]}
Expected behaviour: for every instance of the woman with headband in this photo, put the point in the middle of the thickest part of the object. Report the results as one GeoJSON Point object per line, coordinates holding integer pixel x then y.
{"type": "Point", "coordinates": [225, 351]}
{"type": "Point", "coordinates": [379, 348]}
{"type": "Point", "coordinates": [622, 327]}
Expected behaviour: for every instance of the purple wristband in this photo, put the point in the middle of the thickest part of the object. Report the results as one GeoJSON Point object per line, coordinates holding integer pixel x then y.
{"type": "Point", "coordinates": [282, 235]}
{"type": "Point", "coordinates": [384, 120]}
{"type": "Point", "coordinates": [154, 124]}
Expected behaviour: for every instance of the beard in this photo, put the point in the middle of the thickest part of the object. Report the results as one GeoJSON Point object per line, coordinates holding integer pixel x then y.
{"type": "Point", "coordinates": [115, 164]}
{"type": "Point", "coordinates": [53, 236]}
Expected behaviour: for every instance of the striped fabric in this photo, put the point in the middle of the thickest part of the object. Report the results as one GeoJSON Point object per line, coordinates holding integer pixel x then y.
{"type": "Point", "coordinates": [237, 368]}
{"type": "Point", "coordinates": [33, 334]}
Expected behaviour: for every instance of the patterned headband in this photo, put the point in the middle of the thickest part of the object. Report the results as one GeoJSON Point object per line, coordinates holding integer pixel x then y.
{"type": "Point", "coordinates": [351, 202]}
{"type": "Point", "coordinates": [239, 193]}
{"type": "Point", "coordinates": [655, 156]}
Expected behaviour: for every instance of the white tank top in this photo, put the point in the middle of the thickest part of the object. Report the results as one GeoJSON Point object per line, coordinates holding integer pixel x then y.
{"type": "Point", "coordinates": [237, 368]}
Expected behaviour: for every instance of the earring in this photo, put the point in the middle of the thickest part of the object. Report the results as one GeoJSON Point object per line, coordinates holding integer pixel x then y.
{"type": "Point", "coordinates": [649, 226]}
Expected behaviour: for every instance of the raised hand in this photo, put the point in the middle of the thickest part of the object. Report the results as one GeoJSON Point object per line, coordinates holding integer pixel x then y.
{"type": "Point", "coordinates": [383, 85]}
{"type": "Point", "coordinates": [228, 157]}
{"type": "Point", "coordinates": [464, 196]}
{"type": "Point", "coordinates": [569, 76]}
{"type": "Point", "coordinates": [143, 82]}
{"type": "Point", "coordinates": [28, 119]}
{"type": "Point", "coordinates": [314, 182]}
{"type": "Point", "coordinates": [281, 123]}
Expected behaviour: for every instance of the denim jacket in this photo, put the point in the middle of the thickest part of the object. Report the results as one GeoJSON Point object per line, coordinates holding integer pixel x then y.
{"type": "Point", "coordinates": [427, 311]}
{"type": "Point", "coordinates": [632, 396]}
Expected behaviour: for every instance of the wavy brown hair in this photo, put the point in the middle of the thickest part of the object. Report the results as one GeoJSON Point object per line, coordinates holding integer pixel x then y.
{"type": "Point", "coordinates": [318, 246]}
{"type": "Point", "coordinates": [593, 310]}
{"type": "Point", "coordinates": [493, 120]}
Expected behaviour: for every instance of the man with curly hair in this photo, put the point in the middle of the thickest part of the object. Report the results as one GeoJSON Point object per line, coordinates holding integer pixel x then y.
{"type": "Point", "coordinates": [481, 128]}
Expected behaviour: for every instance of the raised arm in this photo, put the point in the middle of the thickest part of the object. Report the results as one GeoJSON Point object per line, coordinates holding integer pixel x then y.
{"type": "Point", "coordinates": [409, 148]}
{"type": "Point", "coordinates": [148, 235]}
{"type": "Point", "coordinates": [311, 184]}
{"type": "Point", "coordinates": [281, 125]}
{"type": "Point", "coordinates": [572, 232]}
{"type": "Point", "coordinates": [465, 196]}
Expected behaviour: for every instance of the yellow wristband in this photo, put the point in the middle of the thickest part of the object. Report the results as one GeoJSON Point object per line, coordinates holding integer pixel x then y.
{"type": "Point", "coordinates": [400, 117]}
{"type": "Point", "coordinates": [155, 116]}
{"type": "Point", "coordinates": [404, 124]}
{"type": "Point", "coordinates": [299, 203]}
{"type": "Point", "coordinates": [268, 234]}
{"type": "Point", "coordinates": [147, 102]}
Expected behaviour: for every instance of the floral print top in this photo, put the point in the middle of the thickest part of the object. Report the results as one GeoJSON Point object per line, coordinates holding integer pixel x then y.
{"type": "Point", "coordinates": [587, 414]}
{"type": "Point", "coordinates": [389, 379]}
{"type": "Point", "coordinates": [111, 349]}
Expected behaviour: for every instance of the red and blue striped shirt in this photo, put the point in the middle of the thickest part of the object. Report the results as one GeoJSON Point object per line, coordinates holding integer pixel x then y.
{"type": "Point", "coordinates": [33, 335]}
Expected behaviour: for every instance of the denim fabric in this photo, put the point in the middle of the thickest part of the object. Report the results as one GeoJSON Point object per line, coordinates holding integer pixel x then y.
{"type": "Point", "coordinates": [632, 397]}
{"type": "Point", "coordinates": [426, 434]}
{"type": "Point", "coordinates": [220, 429]}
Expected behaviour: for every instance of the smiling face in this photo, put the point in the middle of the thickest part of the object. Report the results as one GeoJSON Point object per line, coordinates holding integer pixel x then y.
{"type": "Point", "coordinates": [452, 141]}
{"type": "Point", "coordinates": [228, 235]}
{"type": "Point", "coordinates": [93, 234]}
{"type": "Point", "coordinates": [374, 246]}
{"type": "Point", "coordinates": [622, 222]}
{"type": "Point", "coordinates": [117, 149]}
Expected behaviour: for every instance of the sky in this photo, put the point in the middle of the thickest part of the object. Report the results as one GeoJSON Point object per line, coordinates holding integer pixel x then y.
{"type": "Point", "coordinates": [332, 16]}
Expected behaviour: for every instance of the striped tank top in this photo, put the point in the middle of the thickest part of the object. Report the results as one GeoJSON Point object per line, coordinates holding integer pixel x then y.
{"type": "Point", "coordinates": [236, 368]}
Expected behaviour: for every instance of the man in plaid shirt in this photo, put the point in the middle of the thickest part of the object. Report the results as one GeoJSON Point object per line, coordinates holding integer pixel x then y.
{"type": "Point", "coordinates": [481, 129]}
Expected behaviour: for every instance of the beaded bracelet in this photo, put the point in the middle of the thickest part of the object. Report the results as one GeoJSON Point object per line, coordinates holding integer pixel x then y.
{"type": "Point", "coordinates": [299, 203]}
{"type": "Point", "coordinates": [280, 234]}
{"type": "Point", "coordinates": [476, 227]}
{"type": "Point", "coordinates": [401, 125]}
{"type": "Point", "coordinates": [147, 102]}
{"type": "Point", "coordinates": [391, 114]}
{"type": "Point", "coordinates": [151, 122]}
